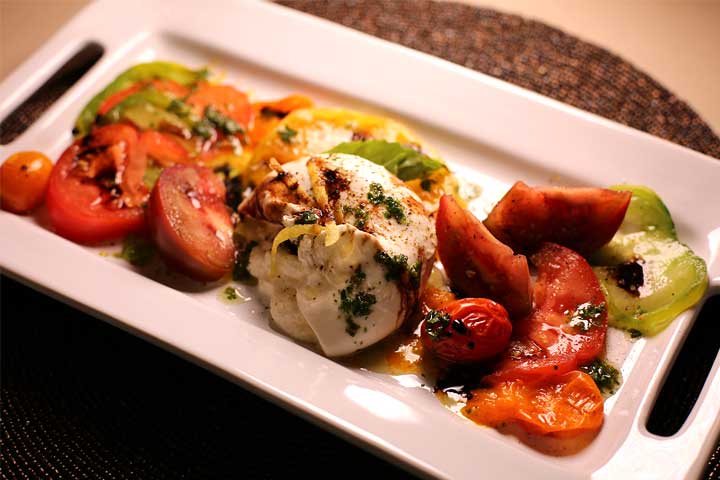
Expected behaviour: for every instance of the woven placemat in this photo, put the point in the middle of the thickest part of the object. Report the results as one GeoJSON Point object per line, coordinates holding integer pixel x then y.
{"type": "Point", "coordinates": [82, 399]}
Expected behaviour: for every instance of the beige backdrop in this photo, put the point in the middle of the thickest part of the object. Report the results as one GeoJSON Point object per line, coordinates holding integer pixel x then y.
{"type": "Point", "coordinates": [675, 41]}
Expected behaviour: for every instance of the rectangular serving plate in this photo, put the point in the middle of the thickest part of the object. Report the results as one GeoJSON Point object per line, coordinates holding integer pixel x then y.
{"type": "Point", "coordinates": [490, 132]}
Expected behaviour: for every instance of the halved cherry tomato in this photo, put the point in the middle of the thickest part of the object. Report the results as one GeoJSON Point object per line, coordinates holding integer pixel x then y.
{"type": "Point", "coordinates": [96, 189]}
{"type": "Point", "coordinates": [267, 115]}
{"type": "Point", "coordinates": [226, 99]}
{"type": "Point", "coordinates": [583, 219]}
{"type": "Point", "coordinates": [567, 326]}
{"type": "Point", "coordinates": [168, 86]}
{"type": "Point", "coordinates": [467, 330]}
{"type": "Point", "coordinates": [23, 179]}
{"type": "Point", "coordinates": [568, 405]}
{"type": "Point", "coordinates": [163, 148]}
{"type": "Point", "coordinates": [477, 264]}
{"type": "Point", "coordinates": [190, 223]}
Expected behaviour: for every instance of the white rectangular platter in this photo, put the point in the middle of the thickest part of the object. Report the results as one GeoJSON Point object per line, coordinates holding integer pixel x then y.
{"type": "Point", "coordinates": [487, 130]}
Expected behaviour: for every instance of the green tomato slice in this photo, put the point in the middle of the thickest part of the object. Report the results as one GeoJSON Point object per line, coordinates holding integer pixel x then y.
{"type": "Point", "coordinates": [674, 278]}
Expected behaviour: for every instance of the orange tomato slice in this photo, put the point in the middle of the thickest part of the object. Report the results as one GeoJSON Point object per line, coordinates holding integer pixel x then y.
{"type": "Point", "coordinates": [567, 406]}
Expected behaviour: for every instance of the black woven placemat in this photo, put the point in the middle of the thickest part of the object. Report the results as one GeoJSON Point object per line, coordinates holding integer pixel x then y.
{"type": "Point", "coordinates": [82, 399]}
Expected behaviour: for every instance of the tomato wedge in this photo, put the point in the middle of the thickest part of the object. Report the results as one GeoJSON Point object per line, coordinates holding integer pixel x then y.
{"type": "Point", "coordinates": [96, 191]}
{"type": "Point", "coordinates": [583, 219]}
{"type": "Point", "coordinates": [163, 148]}
{"type": "Point", "coordinates": [567, 326]}
{"type": "Point", "coordinates": [162, 85]}
{"type": "Point", "coordinates": [567, 406]}
{"type": "Point", "coordinates": [228, 100]}
{"type": "Point", "coordinates": [190, 223]}
{"type": "Point", "coordinates": [478, 264]}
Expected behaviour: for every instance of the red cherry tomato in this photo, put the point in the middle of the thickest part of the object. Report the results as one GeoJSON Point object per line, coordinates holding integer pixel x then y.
{"type": "Point", "coordinates": [567, 327]}
{"type": "Point", "coordinates": [96, 189]}
{"type": "Point", "coordinates": [23, 179]}
{"type": "Point", "coordinates": [190, 223]}
{"type": "Point", "coordinates": [477, 264]}
{"type": "Point", "coordinates": [226, 99]}
{"type": "Point", "coordinates": [583, 219]}
{"type": "Point", "coordinates": [467, 330]}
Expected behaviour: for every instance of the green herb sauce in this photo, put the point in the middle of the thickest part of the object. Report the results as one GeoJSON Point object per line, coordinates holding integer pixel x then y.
{"type": "Point", "coordinates": [606, 377]}
{"type": "Point", "coordinates": [136, 250]}
{"type": "Point", "coordinates": [354, 303]}
{"type": "Point", "coordinates": [287, 134]}
{"type": "Point", "coordinates": [587, 316]}
{"type": "Point", "coordinates": [436, 323]}
{"type": "Point", "coordinates": [393, 208]}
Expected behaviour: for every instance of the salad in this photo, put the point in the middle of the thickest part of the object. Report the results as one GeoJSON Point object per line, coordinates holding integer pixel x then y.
{"type": "Point", "coordinates": [359, 239]}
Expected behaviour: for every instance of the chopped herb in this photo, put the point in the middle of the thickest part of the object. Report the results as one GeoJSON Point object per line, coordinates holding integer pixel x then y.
{"type": "Point", "coordinates": [233, 185]}
{"type": "Point", "coordinates": [635, 333]}
{"type": "Point", "coordinates": [376, 194]}
{"type": "Point", "coordinates": [436, 323]}
{"type": "Point", "coordinates": [240, 269]}
{"type": "Point", "coordinates": [230, 293]}
{"type": "Point", "coordinates": [414, 274]}
{"type": "Point", "coordinates": [394, 209]}
{"type": "Point", "coordinates": [136, 250]}
{"type": "Point", "coordinates": [286, 134]}
{"type": "Point", "coordinates": [204, 129]}
{"type": "Point", "coordinates": [394, 265]}
{"type": "Point", "coordinates": [225, 124]}
{"type": "Point", "coordinates": [180, 108]}
{"type": "Point", "coordinates": [587, 316]}
{"type": "Point", "coordinates": [355, 303]}
{"type": "Point", "coordinates": [606, 377]}
{"type": "Point", "coordinates": [361, 216]}
{"type": "Point", "coordinates": [306, 218]}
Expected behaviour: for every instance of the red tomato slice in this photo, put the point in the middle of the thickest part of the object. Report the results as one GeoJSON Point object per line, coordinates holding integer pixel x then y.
{"type": "Point", "coordinates": [190, 223]}
{"type": "Point", "coordinates": [226, 99]}
{"type": "Point", "coordinates": [583, 219]}
{"type": "Point", "coordinates": [80, 207]}
{"type": "Point", "coordinates": [567, 326]}
{"type": "Point", "coordinates": [169, 86]}
{"type": "Point", "coordinates": [163, 148]}
{"type": "Point", "coordinates": [478, 264]}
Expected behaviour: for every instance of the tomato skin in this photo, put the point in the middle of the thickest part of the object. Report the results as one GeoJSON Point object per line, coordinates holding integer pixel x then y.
{"type": "Point", "coordinates": [190, 224]}
{"type": "Point", "coordinates": [228, 100]}
{"type": "Point", "coordinates": [78, 207]}
{"type": "Point", "coordinates": [163, 148]}
{"type": "Point", "coordinates": [23, 180]}
{"type": "Point", "coordinates": [477, 329]}
{"type": "Point", "coordinates": [169, 86]}
{"type": "Point", "coordinates": [477, 264]}
{"type": "Point", "coordinates": [544, 343]}
{"type": "Point", "coordinates": [567, 406]}
{"type": "Point", "coordinates": [582, 219]}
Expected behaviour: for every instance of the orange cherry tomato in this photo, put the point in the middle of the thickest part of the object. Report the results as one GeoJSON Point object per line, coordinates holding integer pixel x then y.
{"type": "Point", "coordinates": [467, 330]}
{"type": "Point", "coordinates": [226, 99]}
{"type": "Point", "coordinates": [23, 180]}
{"type": "Point", "coordinates": [567, 406]}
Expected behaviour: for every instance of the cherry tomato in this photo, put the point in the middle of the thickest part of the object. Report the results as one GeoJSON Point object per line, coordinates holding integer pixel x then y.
{"type": "Point", "coordinates": [174, 88]}
{"type": "Point", "coordinates": [96, 189]}
{"type": "Point", "coordinates": [190, 223]}
{"type": "Point", "coordinates": [567, 326]}
{"type": "Point", "coordinates": [477, 264]}
{"type": "Point", "coordinates": [23, 180]}
{"type": "Point", "coordinates": [224, 98]}
{"type": "Point", "coordinates": [583, 219]}
{"type": "Point", "coordinates": [566, 406]}
{"type": "Point", "coordinates": [467, 330]}
{"type": "Point", "coordinates": [163, 148]}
